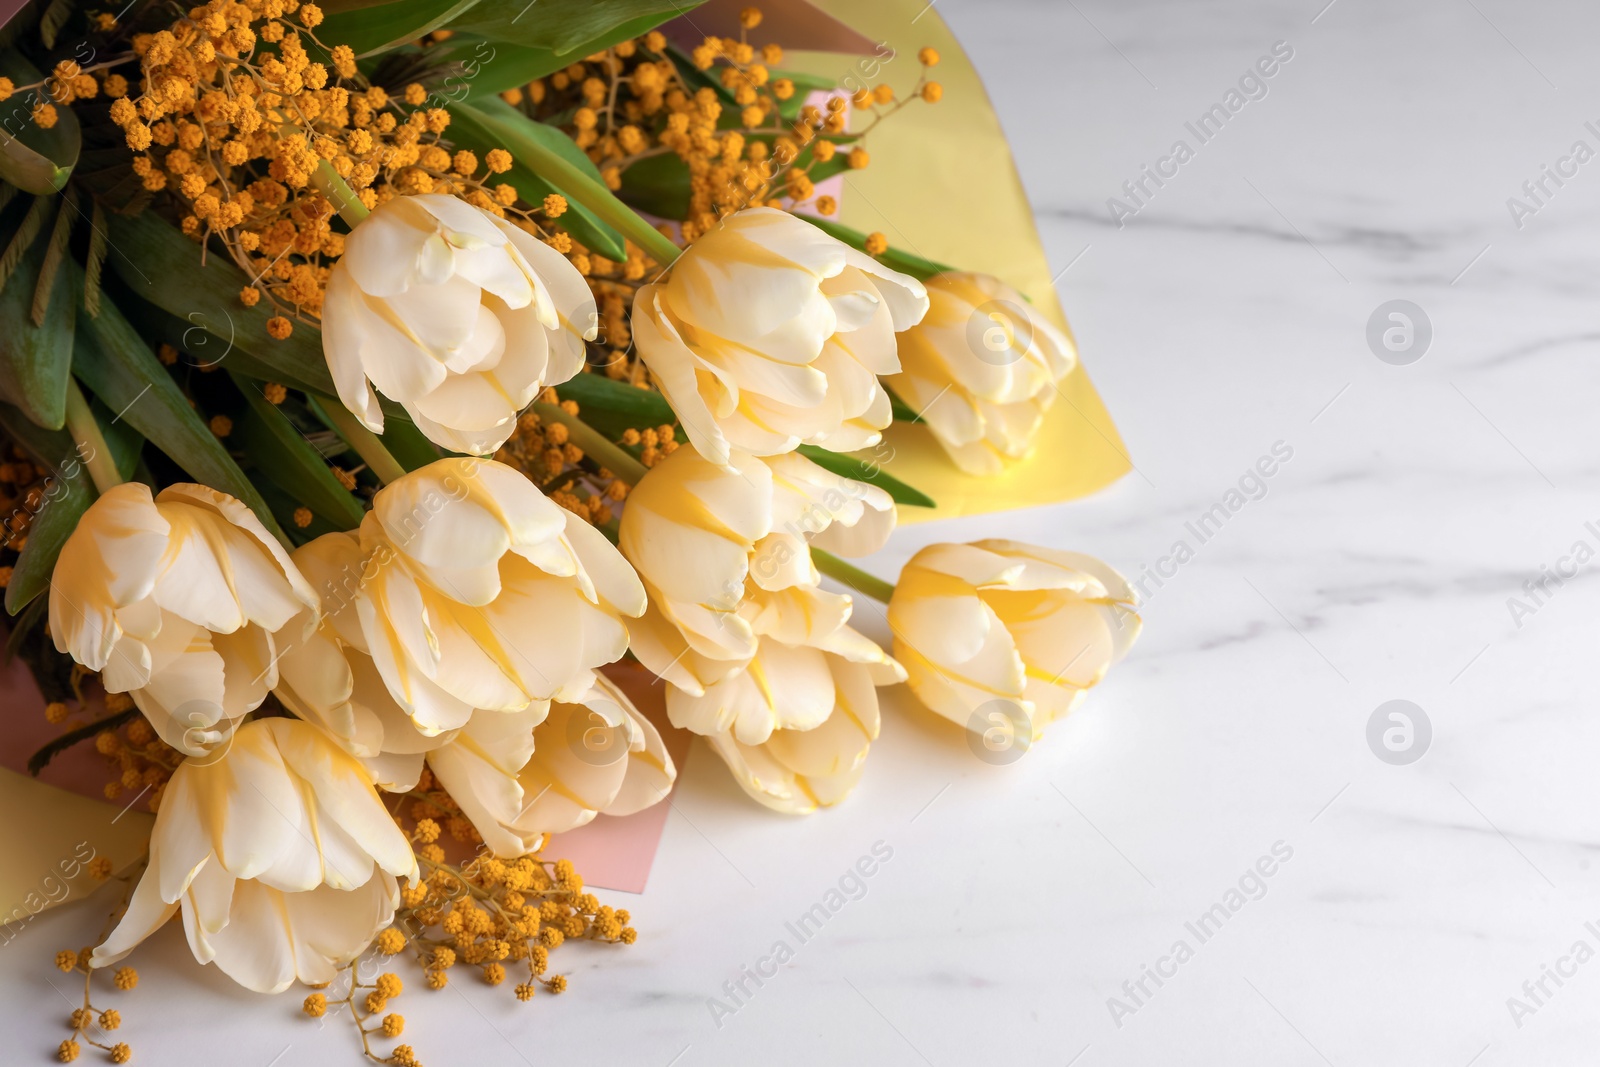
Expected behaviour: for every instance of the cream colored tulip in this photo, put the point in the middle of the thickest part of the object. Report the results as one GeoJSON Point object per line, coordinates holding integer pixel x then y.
{"type": "Point", "coordinates": [595, 756]}
{"type": "Point", "coordinates": [1003, 624]}
{"type": "Point", "coordinates": [724, 555]}
{"type": "Point", "coordinates": [768, 333]}
{"type": "Point", "coordinates": [474, 591]}
{"type": "Point", "coordinates": [756, 656]}
{"type": "Point", "coordinates": [329, 677]}
{"type": "Point", "coordinates": [178, 600]}
{"type": "Point", "coordinates": [278, 852]}
{"type": "Point", "coordinates": [982, 368]}
{"type": "Point", "coordinates": [457, 315]}
{"type": "Point", "coordinates": [796, 771]}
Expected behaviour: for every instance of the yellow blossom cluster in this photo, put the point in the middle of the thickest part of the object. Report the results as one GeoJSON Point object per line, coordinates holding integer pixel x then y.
{"type": "Point", "coordinates": [138, 762]}
{"type": "Point", "coordinates": [544, 451]}
{"type": "Point", "coordinates": [87, 1018]}
{"type": "Point", "coordinates": [739, 125]}
{"type": "Point", "coordinates": [367, 1001]}
{"type": "Point", "coordinates": [742, 129]}
{"type": "Point", "coordinates": [486, 913]}
{"type": "Point", "coordinates": [232, 113]}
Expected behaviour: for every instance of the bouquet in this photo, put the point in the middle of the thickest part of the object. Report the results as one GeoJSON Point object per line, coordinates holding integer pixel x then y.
{"type": "Point", "coordinates": [376, 374]}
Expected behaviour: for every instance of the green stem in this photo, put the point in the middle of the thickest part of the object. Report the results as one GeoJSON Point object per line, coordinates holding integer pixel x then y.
{"type": "Point", "coordinates": [92, 447]}
{"type": "Point", "coordinates": [339, 194]}
{"type": "Point", "coordinates": [366, 443]}
{"type": "Point", "coordinates": [595, 445]}
{"type": "Point", "coordinates": [576, 185]}
{"type": "Point", "coordinates": [857, 579]}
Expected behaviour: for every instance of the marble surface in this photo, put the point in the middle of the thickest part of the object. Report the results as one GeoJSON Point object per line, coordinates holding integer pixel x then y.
{"type": "Point", "coordinates": [1229, 314]}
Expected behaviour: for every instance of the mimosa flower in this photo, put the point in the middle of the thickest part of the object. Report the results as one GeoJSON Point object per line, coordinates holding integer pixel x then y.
{"type": "Point", "coordinates": [178, 601]}
{"type": "Point", "coordinates": [279, 854]}
{"type": "Point", "coordinates": [768, 333]}
{"type": "Point", "coordinates": [1004, 621]}
{"type": "Point", "coordinates": [982, 369]}
{"type": "Point", "coordinates": [457, 315]}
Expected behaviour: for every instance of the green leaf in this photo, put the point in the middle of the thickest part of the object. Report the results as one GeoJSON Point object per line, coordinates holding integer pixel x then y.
{"type": "Point", "coordinates": [895, 259]}
{"type": "Point", "coordinates": [54, 253]}
{"type": "Point", "coordinates": [36, 160]}
{"type": "Point", "coordinates": [276, 446]}
{"type": "Point", "coordinates": [96, 261]}
{"type": "Point", "coordinates": [863, 471]}
{"type": "Point", "coordinates": [657, 185]}
{"type": "Point", "coordinates": [493, 123]}
{"type": "Point", "coordinates": [369, 30]}
{"type": "Point", "coordinates": [54, 17]}
{"type": "Point", "coordinates": [804, 85]}
{"type": "Point", "coordinates": [407, 444]}
{"type": "Point", "coordinates": [34, 360]}
{"type": "Point", "coordinates": [114, 362]}
{"type": "Point", "coordinates": [697, 79]}
{"type": "Point", "coordinates": [67, 495]}
{"type": "Point", "coordinates": [159, 264]}
{"type": "Point", "coordinates": [647, 406]}
{"type": "Point", "coordinates": [495, 65]}
{"type": "Point", "coordinates": [38, 210]}
{"type": "Point", "coordinates": [568, 26]}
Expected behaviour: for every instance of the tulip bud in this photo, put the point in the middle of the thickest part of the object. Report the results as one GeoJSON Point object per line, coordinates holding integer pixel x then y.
{"type": "Point", "coordinates": [1003, 629]}
{"type": "Point", "coordinates": [981, 368]}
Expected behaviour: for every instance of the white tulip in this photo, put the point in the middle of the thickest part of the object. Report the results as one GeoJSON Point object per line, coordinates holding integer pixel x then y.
{"type": "Point", "coordinates": [797, 771]}
{"type": "Point", "coordinates": [724, 554]}
{"type": "Point", "coordinates": [768, 333]}
{"type": "Point", "coordinates": [755, 655]}
{"type": "Point", "coordinates": [476, 592]}
{"type": "Point", "coordinates": [982, 368]}
{"type": "Point", "coordinates": [459, 316]}
{"type": "Point", "coordinates": [329, 678]}
{"type": "Point", "coordinates": [595, 756]}
{"type": "Point", "coordinates": [1000, 621]}
{"type": "Point", "coordinates": [178, 601]}
{"type": "Point", "coordinates": [279, 854]}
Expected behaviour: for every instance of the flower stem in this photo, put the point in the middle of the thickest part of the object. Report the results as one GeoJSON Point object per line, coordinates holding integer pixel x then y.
{"type": "Point", "coordinates": [366, 443]}
{"type": "Point", "coordinates": [594, 444]}
{"type": "Point", "coordinates": [339, 194]}
{"type": "Point", "coordinates": [92, 447]}
{"type": "Point", "coordinates": [857, 579]}
{"type": "Point", "coordinates": [579, 186]}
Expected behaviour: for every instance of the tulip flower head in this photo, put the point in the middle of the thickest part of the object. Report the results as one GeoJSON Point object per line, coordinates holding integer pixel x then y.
{"type": "Point", "coordinates": [1000, 628]}
{"type": "Point", "coordinates": [982, 368]}
{"type": "Point", "coordinates": [280, 855]}
{"type": "Point", "coordinates": [178, 600]}
{"type": "Point", "coordinates": [768, 333]}
{"type": "Point", "coordinates": [459, 316]}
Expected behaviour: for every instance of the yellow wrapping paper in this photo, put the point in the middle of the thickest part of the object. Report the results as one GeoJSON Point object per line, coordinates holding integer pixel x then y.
{"type": "Point", "coordinates": [49, 837]}
{"type": "Point", "coordinates": [942, 184]}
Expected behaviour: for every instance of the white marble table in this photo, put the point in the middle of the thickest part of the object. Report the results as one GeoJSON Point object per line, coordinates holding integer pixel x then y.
{"type": "Point", "coordinates": [1228, 314]}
